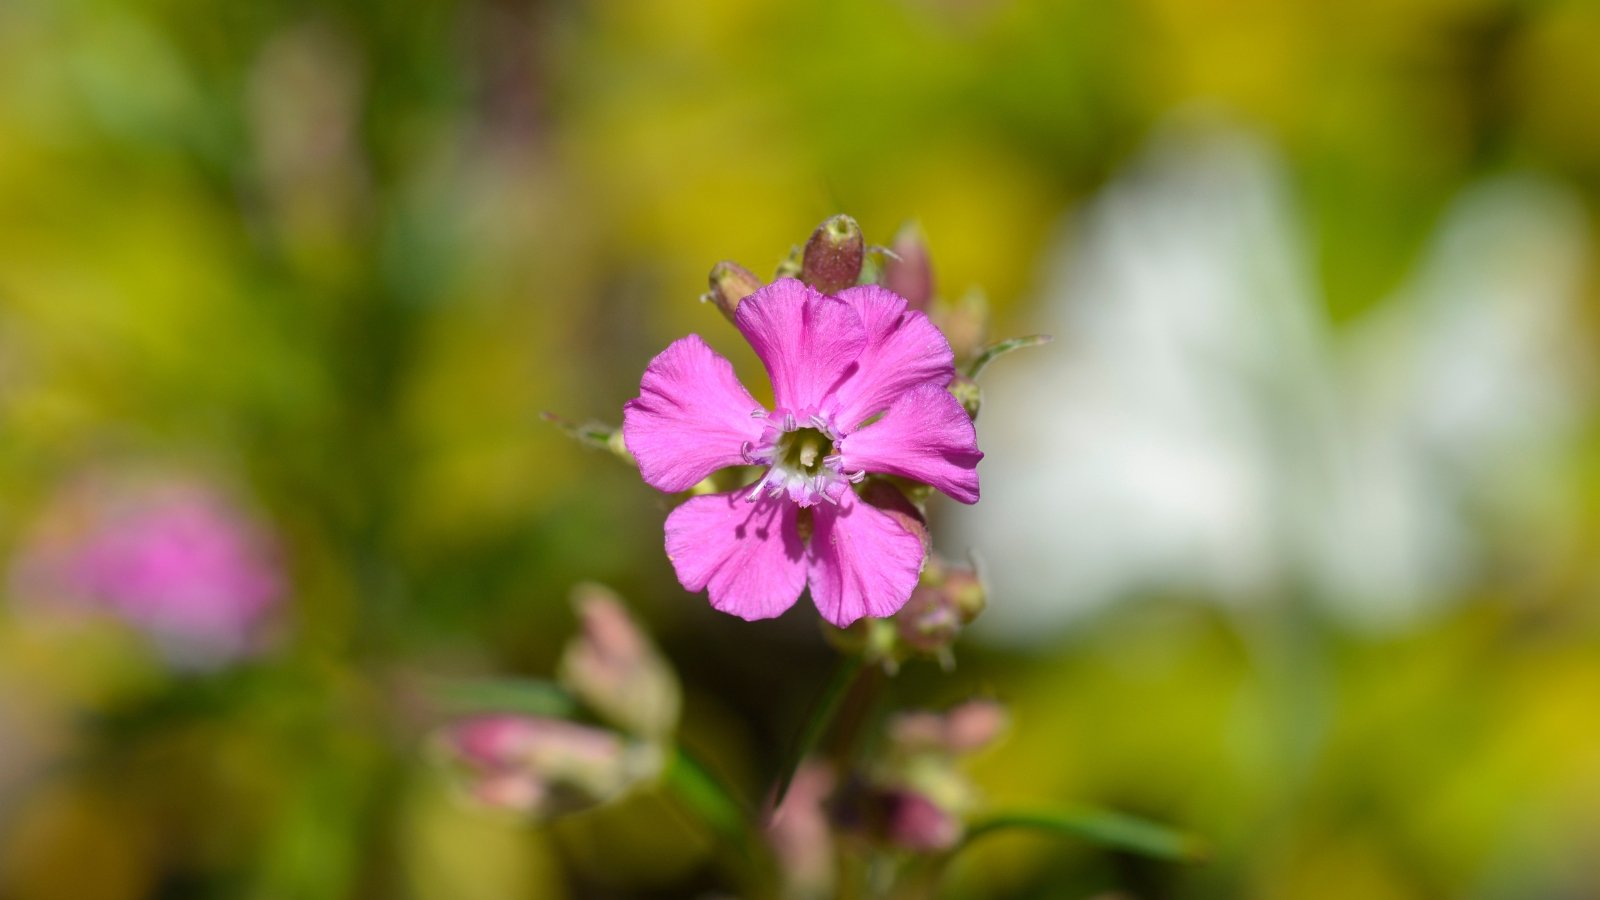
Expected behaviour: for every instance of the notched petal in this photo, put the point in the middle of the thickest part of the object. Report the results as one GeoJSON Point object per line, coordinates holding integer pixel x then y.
{"type": "Point", "coordinates": [691, 418]}
{"type": "Point", "coordinates": [747, 556]}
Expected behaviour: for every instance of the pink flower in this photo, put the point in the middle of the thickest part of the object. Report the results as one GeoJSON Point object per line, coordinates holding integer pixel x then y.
{"type": "Point", "coordinates": [858, 383]}
{"type": "Point", "coordinates": [174, 559]}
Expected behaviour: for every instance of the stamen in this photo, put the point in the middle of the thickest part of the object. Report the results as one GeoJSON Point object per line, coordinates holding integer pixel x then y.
{"type": "Point", "coordinates": [755, 489]}
{"type": "Point", "coordinates": [789, 422]}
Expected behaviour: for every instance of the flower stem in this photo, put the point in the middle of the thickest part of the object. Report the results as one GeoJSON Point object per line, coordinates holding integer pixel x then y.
{"type": "Point", "coordinates": [822, 712]}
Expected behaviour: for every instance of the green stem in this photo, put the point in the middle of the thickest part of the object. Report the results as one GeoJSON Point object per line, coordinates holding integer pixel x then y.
{"type": "Point", "coordinates": [822, 711]}
{"type": "Point", "coordinates": [711, 801]}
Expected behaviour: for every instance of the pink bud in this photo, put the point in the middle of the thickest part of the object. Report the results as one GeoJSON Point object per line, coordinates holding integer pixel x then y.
{"type": "Point", "coordinates": [615, 670]}
{"type": "Point", "coordinates": [916, 823]}
{"type": "Point", "coordinates": [908, 271]}
{"type": "Point", "coordinates": [974, 725]}
{"type": "Point", "coordinates": [542, 767]}
{"type": "Point", "coordinates": [833, 256]}
{"type": "Point", "coordinates": [801, 834]}
{"type": "Point", "coordinates": [962, 729]}
{"type": "Point", "coordinates": [947, 599]}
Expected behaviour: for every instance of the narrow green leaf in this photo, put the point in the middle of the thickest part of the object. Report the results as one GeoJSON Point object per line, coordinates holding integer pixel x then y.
{"type": "Point", "coordinates": [1103, 827]}
{"type": "Point", "coordinates": [994, 351]}
{"type": "Point", "coordinates": [707, 797]}
{"type": "Point", "coordinates": [822, 711]}
{"type": "Point", "coordinates": [529, 696]}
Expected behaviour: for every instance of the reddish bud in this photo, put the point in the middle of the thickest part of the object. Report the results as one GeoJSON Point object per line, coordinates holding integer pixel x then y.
{"type": "Point", "coordinates": [908, 271]}
{"type": "Point", "coordinates": [833, 256]}
{"type": "Point", "coordinates": [916, 823]}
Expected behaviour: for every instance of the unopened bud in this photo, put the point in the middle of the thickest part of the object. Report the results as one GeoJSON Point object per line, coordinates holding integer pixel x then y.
{"type": "Point", "coordinates": [801, 834]}
{"type": "Point", "coordinates": [542, 767]}
{"type": "Point", "coordinates": [900, 816]}
{"type": "Point", "coordinates": [833, 255]}
{"type": "Point", "coordinates": [730, 284]}
{"type": "Point", "coordinates": [963, 729]}
{"type": "Point", "coordinates": [914, 822]}
{"type": "Point", "coordinates": [908, 271]}
{"type": "Point", "coordinates": [974, 725]}
{"type": "Point", "coordinates": [965, 323]}
{"type": "Point", "coordinates": [614, 669]}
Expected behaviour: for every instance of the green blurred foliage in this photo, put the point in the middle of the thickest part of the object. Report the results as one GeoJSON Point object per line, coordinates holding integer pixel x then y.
{"type": "Point", "coordinates": [344, 254]}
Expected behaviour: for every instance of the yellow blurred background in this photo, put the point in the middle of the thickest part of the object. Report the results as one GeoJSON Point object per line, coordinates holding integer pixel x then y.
{"type": "Point", "coordinates": [1292, 533]}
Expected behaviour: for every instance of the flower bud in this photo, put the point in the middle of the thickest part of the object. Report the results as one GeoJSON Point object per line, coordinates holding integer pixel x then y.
{"type": "Point", "coordinates": [615, 670]}
{"type": "Point", "coordinates": [914, 822]}
{"type": "Point", "coordinates": [908, 271]}
{"type": "Point", "coordinates": [543, 767]}
{"type": "Point", "coordinates": [965, 323]}
{"type": "Point", "coordinates": [946, 600]}
{"type": "Point", "coordinates": [801, 835]}
{"type": "Point", "coordinates": [897, 815]}
{"type": "Point", "coordinates": [833, 255]}
{"type": "Point", "coordinates": [963, 729]}
{"type": "Point", "coordinates": [730, 284]}
{"type": "Point", "coordinates": [974, 725]}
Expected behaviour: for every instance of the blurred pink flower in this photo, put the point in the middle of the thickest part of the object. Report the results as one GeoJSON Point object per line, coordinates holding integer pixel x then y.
{"type": "Point", "coordinates": [859, 386]}
{"type": "Point", "coordinates": [175, 560]}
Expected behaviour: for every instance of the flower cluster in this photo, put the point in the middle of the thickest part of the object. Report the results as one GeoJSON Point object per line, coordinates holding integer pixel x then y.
{"type": "Point", "coordinates": [911, 797]}
{"type": "Point", "coordinates": [860, 391]}
{"type": "Point", "coordinates": [541, 766]}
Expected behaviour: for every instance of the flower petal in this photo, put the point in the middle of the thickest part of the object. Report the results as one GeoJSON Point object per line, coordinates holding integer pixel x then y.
{"type": "Point", "coordinates": [863, 562]}
{"type": "Point", "coordinates": [749, 555]}
{"type": "Point", "coordinates": [691, 418]}
{"type": "Point", "coordinates": [926, 436]}
{"type": "Point", "coordinates": [904, 349]}
{"type": "Point", "coordinates": [808, 341]}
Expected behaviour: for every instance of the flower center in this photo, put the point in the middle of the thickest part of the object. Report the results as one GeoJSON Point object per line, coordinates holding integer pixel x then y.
{"type": "Point", "coordinates": [802, 461]}
{"type": "Point", "coordinates": [803, 450]}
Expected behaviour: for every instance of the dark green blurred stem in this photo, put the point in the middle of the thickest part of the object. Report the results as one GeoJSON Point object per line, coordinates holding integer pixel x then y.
{"type": "Point", "coordinates": [818, 718]}
{"type": "Point", "coordinates": [732, 822]}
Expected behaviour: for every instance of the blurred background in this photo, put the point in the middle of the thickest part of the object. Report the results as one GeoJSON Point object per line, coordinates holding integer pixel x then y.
{"type": "Point", "coordinates": [1292, 534]}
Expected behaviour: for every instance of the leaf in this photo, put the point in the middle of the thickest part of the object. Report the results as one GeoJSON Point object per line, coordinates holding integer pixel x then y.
{"type": "Point", "coordinates": [529, 696]}
{"type": "Point", "coordinates": [1104, 827]}
{"type": "Point", "coordinates": [997, 349]}
{"type": "Point", "coordinates": [707, 797]}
